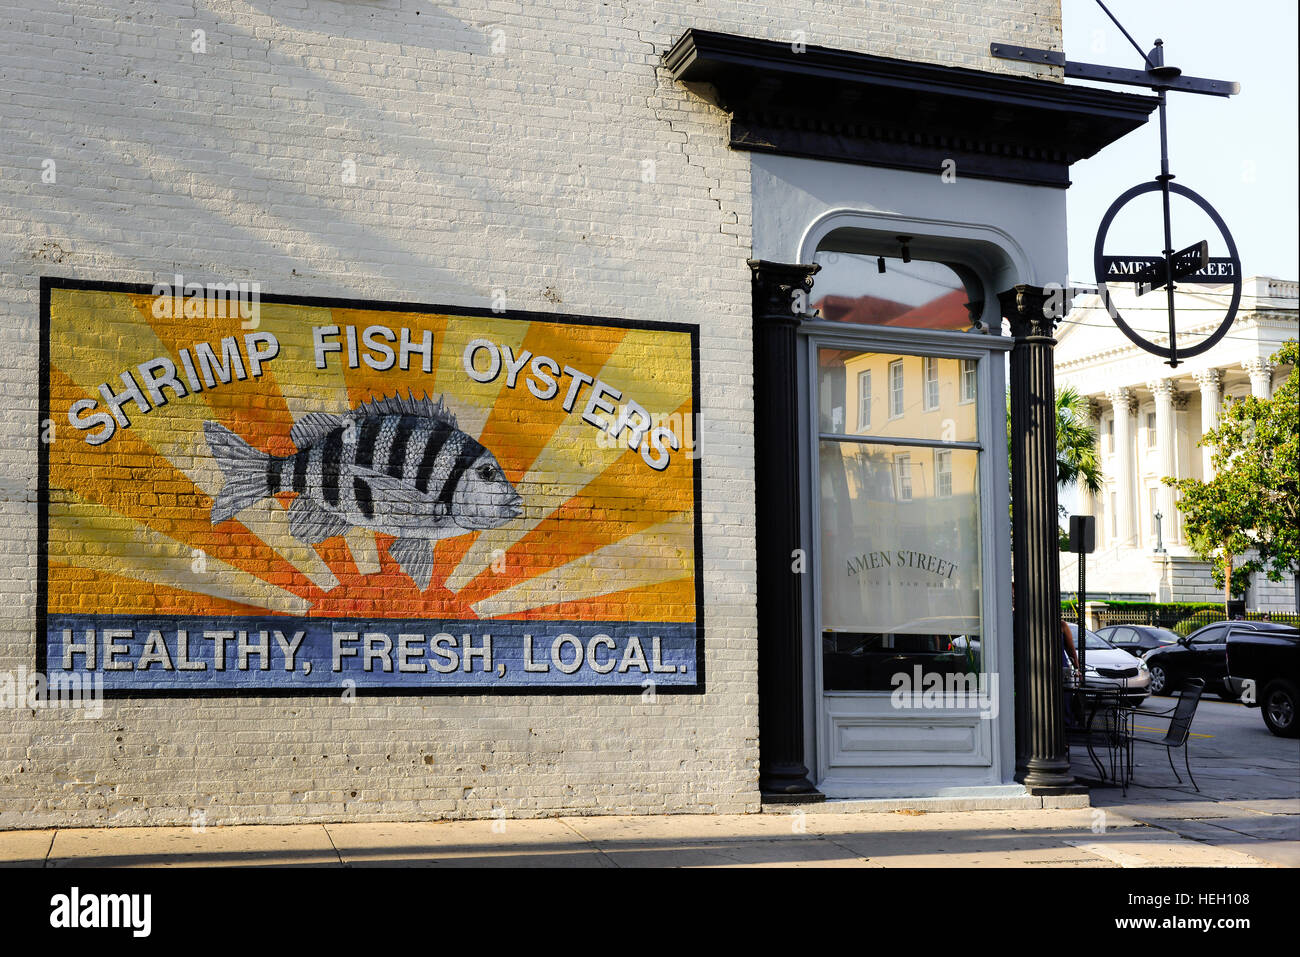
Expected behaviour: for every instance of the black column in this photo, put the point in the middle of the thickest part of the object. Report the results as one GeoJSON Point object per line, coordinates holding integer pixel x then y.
{"type": "Point", "coordinates": [1041, 755]}
{"type": "Point", "coordinates": [780, 295]}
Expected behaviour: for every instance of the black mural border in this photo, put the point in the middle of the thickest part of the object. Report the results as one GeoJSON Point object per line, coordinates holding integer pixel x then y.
{"type": "Point", "coordinates": [51, 283]}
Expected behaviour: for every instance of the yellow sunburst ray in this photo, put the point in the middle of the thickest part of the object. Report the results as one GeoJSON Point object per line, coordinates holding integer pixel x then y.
{"type": "Point", "coordinates": [472, 401]}
{"type": "Point", "coordinates": [659, 554]}
{"type": "Point", "coordinates": [572, 457]}
{"type": "Point", "coordinates": [175, 430]}
{"type": "Point", "coordinates": [85, 535]}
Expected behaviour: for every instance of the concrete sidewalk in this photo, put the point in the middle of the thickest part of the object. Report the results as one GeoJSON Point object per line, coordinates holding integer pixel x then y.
{"type": "Point", "coordinates": [1064, 837]}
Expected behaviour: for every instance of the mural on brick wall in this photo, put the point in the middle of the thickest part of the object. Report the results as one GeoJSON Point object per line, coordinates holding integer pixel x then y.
{"type": "Point", "coordinates": [257, 493]}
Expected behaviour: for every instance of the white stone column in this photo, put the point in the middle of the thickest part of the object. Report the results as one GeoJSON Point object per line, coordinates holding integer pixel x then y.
{"type": "Point", "coordinates": [1166, 442]}
{"type": "Point", "coordinates": [1121, 401]}
{"type": "Point", "coordinates": [1261, 377]}
{"type": "Point", "coordinates": [1211, 383]}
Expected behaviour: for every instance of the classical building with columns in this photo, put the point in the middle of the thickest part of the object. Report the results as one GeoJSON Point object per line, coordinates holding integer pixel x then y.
{"type": "Point", "coordinates": [1150, 418]}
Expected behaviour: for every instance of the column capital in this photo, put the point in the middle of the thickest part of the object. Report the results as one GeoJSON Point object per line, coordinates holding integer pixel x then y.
{"type": "Point", "coordinates": [1210, 380]}
{"type": "Point", "coordinates": [1032, 310]}
{"type": "Point", "coordinates": [777, 287]}
{"type": "Point", "coordinates": [1162, 388]}
{"type": "Point", "coordinates": [1121, 399]}
{"type": "Point", "coordinates": [1257, 366]}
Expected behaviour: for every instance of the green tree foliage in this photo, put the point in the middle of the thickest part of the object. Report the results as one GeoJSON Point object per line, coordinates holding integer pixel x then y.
{"type": "Point", "coordinates": [1077, 462]}
{"type": "Point", "coordinates": [1250, 504]}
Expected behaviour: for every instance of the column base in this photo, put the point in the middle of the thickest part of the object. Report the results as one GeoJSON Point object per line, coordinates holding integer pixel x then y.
{"type": "Point", "coordinates": [785, 779]}
{"type": "Point", "coordinates": [1047, 774]}
{"type": "Point", "coordinates": [809, 797]}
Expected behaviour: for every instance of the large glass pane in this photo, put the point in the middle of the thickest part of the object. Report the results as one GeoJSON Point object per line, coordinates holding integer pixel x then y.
{"type": "Point", "coordinates": [919, 294]}
{"type": "Point", "coordinates": [901, 573]}
{"type": "Point", "coordinates": [876, 393]}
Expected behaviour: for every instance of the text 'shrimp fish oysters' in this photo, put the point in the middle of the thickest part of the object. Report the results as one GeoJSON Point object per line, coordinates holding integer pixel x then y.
{"type": "Point", "coordinates": [396, 465]}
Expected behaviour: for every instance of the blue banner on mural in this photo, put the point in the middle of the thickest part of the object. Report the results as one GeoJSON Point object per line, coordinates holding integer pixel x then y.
{"type": "Point", "coordinates": [163, 653]}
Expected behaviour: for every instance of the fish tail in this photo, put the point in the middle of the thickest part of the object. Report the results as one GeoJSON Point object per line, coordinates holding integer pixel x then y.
{"type": "Point", "coordinates": [244, 468]}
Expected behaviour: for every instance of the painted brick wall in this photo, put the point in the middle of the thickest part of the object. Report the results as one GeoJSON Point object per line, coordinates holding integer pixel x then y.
{"type": "Point", "coordinates": [539, 151]}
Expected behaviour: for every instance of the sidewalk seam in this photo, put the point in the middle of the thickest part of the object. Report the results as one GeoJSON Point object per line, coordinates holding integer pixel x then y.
{"type": "Point", "coordinates": [1203, 841]}
{"type": "Point", "coordinates": [330, 837]}
{"type": "Point", "coordinates": [590, 843]}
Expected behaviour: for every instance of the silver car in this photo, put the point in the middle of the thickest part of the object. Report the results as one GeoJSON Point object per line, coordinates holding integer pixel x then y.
{"type": "Point", "coordinates": [1123, 672]}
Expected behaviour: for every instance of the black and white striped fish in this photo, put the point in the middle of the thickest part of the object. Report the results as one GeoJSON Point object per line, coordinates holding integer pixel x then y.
{"type": "Point", "coordinates": [396, 465]}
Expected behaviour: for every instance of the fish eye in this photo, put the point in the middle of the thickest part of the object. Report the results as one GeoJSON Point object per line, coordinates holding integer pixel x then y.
{"type": "Point", "coordinates": [487, 473]}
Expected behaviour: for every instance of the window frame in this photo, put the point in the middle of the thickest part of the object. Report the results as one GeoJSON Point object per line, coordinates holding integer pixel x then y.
{"type": "Point", "coordinates": [929, 364]}
{"type": "Point", "coordinates": [899, 391]}
{"type": "Point", "coordinates": [989, 353]}
{"type": "Point", "coordinates": [864, 400]}
{"type": "Point", "coordinates": [946, 455]}
{"type": "Point", "coordinates": [966, 399]}
{"type": "Point", "coordinates": [902, 468]}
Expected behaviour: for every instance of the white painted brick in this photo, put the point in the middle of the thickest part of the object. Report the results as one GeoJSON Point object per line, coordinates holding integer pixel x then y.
{"type": "Point", "coordinates": [474, 170]}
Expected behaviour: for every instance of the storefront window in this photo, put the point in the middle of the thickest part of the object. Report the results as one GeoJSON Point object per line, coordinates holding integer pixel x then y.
{"type": "Point", "coordinates": [916, 294]}
{"type": "Point", "coordinates": [900, 525]}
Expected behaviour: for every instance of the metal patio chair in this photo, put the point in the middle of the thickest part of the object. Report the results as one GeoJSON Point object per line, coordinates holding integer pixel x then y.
{"type": "Point", "coordinates": [1117, 725]}
{"type": "Point", "coordinates": [1180, 726]}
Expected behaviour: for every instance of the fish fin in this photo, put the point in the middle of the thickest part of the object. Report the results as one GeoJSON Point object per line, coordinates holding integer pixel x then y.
{"type": "Point", "coordinates": [394, 495]}
{"type": "Point", "coordinates": [312, 523]}
{"type": "Point", "coordinates": [243, 467]}
{"type": "Point", "coordinates": [313, 426]}
{"type": "Point", "coordinates": [415, 555]}
{"type": "Point", "coordinates": [407, 405]}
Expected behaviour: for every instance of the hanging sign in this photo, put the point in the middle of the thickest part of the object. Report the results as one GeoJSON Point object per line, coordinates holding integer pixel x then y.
{"type": "Point", "coordinates": [1149, 274]}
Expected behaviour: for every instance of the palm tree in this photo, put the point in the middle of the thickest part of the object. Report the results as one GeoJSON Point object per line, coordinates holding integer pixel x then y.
{"type": "Point", "coordinates": [1077, 462]}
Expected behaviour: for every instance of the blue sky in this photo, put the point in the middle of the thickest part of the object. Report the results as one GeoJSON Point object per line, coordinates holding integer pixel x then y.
{"type": "Point", "coordinates": [1239, 152]}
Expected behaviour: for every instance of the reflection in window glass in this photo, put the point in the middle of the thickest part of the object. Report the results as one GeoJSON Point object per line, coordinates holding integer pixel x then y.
{"type": "Point", "coordinates": [968, 380]}
{"type": "Point", "coordinates": [943, 473]}
{"type": "Point", "coordinates": [896, 389]}
{"type": "Point", "coordinates": [931, 383]}
{"type": "Point", "coordinates": [903, 476]}
{"type": "Point", "coordinates": [901, 575]}
{"type": "Point", "coordinates": [847, 378]}
{"type": "Point", "coordinates": [915, 295]}
{"type": "Point", "coordinates": [864, 401]}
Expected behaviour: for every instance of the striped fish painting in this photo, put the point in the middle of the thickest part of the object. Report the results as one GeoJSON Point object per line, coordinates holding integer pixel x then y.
{"type": "Point", "coordinates": [396, 465]}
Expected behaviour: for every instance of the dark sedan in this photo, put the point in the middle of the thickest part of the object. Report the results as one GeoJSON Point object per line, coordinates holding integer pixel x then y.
{"type": "Point", "coordinates": [1202, 654]}
{"type": "Point", "coordinates": [1138, 639]}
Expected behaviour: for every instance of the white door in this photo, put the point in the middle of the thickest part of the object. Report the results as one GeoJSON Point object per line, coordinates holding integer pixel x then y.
{"type": "Point", "coordinates": [908, 629]}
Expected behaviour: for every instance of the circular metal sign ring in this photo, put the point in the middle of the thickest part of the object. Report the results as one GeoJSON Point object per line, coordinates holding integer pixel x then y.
{"type": "Point", "coordinates": [1100, 270]}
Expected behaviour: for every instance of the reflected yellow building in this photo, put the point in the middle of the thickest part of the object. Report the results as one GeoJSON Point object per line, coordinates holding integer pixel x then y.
{"type": "Point", "coordinates": [896, 396]}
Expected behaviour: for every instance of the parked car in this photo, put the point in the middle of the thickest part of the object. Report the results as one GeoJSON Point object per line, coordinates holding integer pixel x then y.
{"type": "Point", "coordinates": [1138, 639]}
{"type": "Point", "coordinates": [1264, 668]}
{"type": "Point", "coordinates": [1202, 654]}
{"type": "Point", "coordinates": [1133, 681]}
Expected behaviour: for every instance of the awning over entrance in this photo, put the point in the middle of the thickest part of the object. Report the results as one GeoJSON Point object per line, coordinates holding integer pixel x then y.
{"type": "Point", "coordinates": [860, 108]}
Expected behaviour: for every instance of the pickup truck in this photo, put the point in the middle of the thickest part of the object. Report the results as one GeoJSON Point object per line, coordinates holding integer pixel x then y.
{"type": "Point", "coordinates": [1264, 669]}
